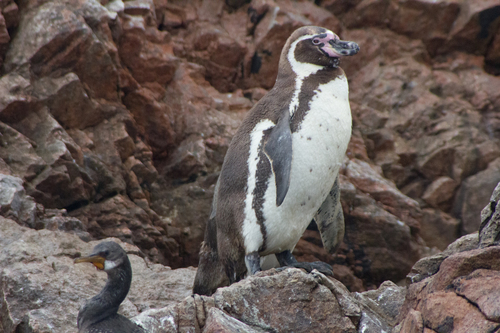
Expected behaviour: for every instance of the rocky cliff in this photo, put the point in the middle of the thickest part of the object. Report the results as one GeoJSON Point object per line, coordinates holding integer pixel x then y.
{"type": "Point", "coordinates": [115, 117]}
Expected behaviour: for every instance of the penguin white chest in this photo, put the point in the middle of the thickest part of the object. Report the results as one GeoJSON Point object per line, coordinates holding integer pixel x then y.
{"type": "Point", "coordinates": [319, 147]}
{"type": "Point", "coordinates": [320, 143]}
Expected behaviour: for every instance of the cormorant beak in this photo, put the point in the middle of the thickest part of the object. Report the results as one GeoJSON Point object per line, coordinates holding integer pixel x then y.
{"type": "Point", "coordinates": [97, 260]}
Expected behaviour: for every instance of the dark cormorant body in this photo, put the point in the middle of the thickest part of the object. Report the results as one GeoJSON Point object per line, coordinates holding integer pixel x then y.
{"type": "Point", "coordinates": [99, 314]}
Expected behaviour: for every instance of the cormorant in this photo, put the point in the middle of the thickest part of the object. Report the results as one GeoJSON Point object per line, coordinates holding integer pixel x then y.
{"type": "Point", "coordinates": [99, 314]}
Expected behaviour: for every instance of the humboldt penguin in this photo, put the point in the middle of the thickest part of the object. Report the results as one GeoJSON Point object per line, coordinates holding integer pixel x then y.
{"type": "Point", "coordinates": [281, 169]}
{"type": "Point", "coordinates": [99, 314]}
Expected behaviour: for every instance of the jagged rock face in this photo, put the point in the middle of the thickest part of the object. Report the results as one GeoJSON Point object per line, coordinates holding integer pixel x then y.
{"type": "Point", "coordinates": [115, 118]}
{"type": "Point", "coordinates": [461, 296]}
{"type": "Point", "coordinates": [457, 289]}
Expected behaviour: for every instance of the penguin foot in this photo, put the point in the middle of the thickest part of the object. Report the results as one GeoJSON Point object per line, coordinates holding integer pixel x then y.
{"type": "Point", "coordinates": [320, 266]}
{"type": "Point", "coordinates": [252, 260]}
{"type": "Point", "coordinates": [286, 259]}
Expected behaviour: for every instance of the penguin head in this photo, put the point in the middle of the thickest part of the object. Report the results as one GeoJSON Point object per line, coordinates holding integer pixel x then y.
{"type": "Point", "coordinates": [317, 46]}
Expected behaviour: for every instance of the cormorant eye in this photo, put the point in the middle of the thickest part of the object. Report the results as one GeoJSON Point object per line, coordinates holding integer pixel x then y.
{"type": "Point", "coordinates": [316, 41]}
{"type": "Point", "coordinates": [105, 254]}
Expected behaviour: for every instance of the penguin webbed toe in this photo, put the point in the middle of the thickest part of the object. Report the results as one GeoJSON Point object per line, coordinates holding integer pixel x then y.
{"type": "Point", "coordinates": [286, 259]}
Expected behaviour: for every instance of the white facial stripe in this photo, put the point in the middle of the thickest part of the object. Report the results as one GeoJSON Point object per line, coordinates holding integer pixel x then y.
{"type": "Point", "coordinates": [251, 230]}
{"type": "Point", "coordinates": [301, 69]}
{"type": "Point", "coordinates": [108, 265]}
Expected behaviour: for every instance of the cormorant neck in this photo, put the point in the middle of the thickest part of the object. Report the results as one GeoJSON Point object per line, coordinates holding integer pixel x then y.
{"type": "Point", "coordinates": [107, 302]}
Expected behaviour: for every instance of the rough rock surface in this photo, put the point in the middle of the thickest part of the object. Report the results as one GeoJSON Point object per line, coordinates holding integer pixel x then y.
{"type": "Point", "coordinates": [115, 117]}
{"type": "Point", "coordinates": [490, 221]}
{"type": "Point", "coordinates": [457, 289]}
{"type": "Point", "coordinates": [311, 303]}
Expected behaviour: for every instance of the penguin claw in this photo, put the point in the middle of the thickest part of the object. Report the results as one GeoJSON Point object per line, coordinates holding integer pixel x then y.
{"type": "Point", "coordinates": [320, 266]}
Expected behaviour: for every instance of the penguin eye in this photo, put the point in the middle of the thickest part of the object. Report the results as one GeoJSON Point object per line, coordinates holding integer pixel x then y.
{"type": "Point", "coordinates": [316, 41]}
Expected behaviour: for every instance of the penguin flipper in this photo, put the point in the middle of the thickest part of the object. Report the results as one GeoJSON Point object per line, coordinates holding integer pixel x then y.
{"type": "Point", "coordinates": [214, 200]}
{"type": "Point", "coordinates": [278, 149]}
{"type": "Point", "coordinates": [330, 219]}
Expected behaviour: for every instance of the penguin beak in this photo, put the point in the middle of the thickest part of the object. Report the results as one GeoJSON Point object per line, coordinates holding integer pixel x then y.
{"type": "Point", "coordinates": [333, 47]}
{"type": "Point", "coordinates": [342, 48]}
{"type": "Point", "coordinates": [97, 260]}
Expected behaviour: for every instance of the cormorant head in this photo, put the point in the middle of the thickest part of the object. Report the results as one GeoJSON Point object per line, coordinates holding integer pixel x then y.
{"type": "Point", "coordinates": [105, 256]}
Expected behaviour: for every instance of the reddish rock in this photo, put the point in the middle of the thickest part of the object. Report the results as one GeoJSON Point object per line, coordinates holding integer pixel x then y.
{"type": "Point", "coordinates": [146, 52]}
{"type": "Point", "coordinates": [153, 118]}
{"type": "Point", "coordinates": [16, 100]}
{"type": "Point", "coordinates": [446, 311]}
{"type": "Point", "coordinates": [65, 182]}
{"type": "Point", "coordinates": [440, 192]}
{"type": "Point", "coordinates": [474, 28]}
{"type": "Point", "coordinates": [322, 314]}
{"type": "Point", "coordinates": [119, 217]}
{"type": "Point", "coordinates": [279, 20]}
{"type": "Point", "coordinates": [189, 158]}
{"type": "Point", "coordinates": [257, 304]}
{"type": "Point", "coordinates": [365, 178]}
{"type": "Point", "coordinates": [453, 290]}
{"type": "Point", "coordinates": [474, 194]}
{"type": "Point", "coordinates": [386, 301]}
{"type": "Point", "coordinates": [68, 102]}
{"type": "Point", "coordinates": [413, 323]}
{"type": "Point", "coordinates": [101, 107]}
{"type": "Point", "coordinates": [140, 7]}
{"type": "Point", "coordinates": [219, 49]}
{"type": "Point", "coordinates": [438, 229]}
{"type": "Point", "coordinates": [173, 204]}
{"type": "Point", "coordinates": [432, 20]}
{"type": "Point", "coordinates": [375, 237]}
{"type": "Point", "coordinates": [339, 7]}
{"type": "Point", "coordinates": [493, 53]}
{"type": "Point", "coordinates": [176, 15]}
{"type": "Point", "coordinates": [490, 221]}
{"type": "Point", "coordinates": [462, 264]}
{"type": "Point", "coordinates": [310, 248]}
{"type": "Point", "coordinates": [10, 12]}
{"type": "Point", "coordinates": [369, 12]}
{"type": "Point", "coordinates": [64, 42]}
{"type": "Point", "coordinates": [4, 36]}
{"type": "Point", "coordinates": [481, 288]}
{"type": "Point", "coordinates": [19, 155]}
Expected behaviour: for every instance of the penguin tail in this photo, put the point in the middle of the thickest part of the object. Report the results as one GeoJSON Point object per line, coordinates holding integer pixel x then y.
{"type": "Point", "coordinates": [211, 273]}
